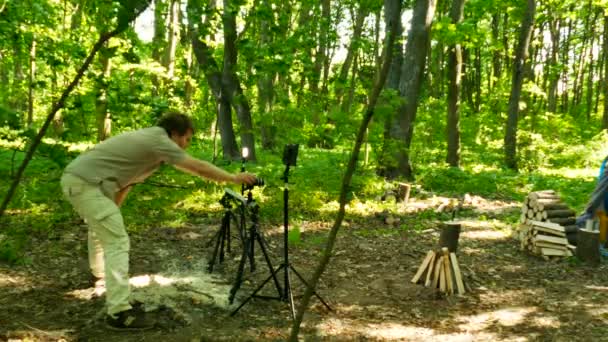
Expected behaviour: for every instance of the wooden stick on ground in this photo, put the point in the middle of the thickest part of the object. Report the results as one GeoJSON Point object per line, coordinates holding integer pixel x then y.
{"type": "Point", "coordinates": [457, 274]}
{"type": "Point", "coordinates": [423, 266]}
{"type": "Point", "coordinates": [447, 270]}
{"type": "Point", "coordinates": [431, 268]}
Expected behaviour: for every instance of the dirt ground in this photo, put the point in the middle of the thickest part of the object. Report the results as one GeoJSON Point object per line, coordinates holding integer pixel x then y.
{"type": "Point", "coordinates": [513, 296]}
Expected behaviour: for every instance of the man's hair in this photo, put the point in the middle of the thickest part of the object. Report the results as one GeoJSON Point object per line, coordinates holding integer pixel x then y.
{"type": "Point", "coordinates": [176, 122]}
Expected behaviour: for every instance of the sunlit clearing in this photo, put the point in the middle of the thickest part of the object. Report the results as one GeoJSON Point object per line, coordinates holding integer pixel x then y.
{"type": "Point", "coordinates": [571, 173]}
{"type": "Point", "coordinates": [12, 280]}
{"type": "Point", "coordinates": [597, 288]}
{"type": "Point", "coordinates": [147, 280]}
{"type": "Point", "coordinates": [80, 147]}
{"type": "Point", "coordinates": [506, 317]}
{"type": "Point", "coordinates": [483, 235]}
{"type": "Point", "coordinates": [477, 168]}
{"type": "Point", "coordinates": [330, 207]}
{"type": "Point", "coordinates": [190, 283]}
{"type": "Point", "coordinates": [394, 332]}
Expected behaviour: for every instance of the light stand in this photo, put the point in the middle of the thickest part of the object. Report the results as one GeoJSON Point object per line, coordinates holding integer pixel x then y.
{"type": "Point", "coordinates": [289, 158]}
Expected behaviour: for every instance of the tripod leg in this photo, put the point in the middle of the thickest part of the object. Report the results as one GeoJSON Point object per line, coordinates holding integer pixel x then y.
{"type": "Point", "coordinates": [288, 294]}
{"type": "Point", "coordinates": [273, 273]}
{"type": "Point", "coordinates": [306, 283]}
{"type": "Point", "coordinates": [227, 234]}
{"type": "Point", "coordinates": [256, 291]}
{"type": "Point", "coordinates": [252, 235]}
{"type": "Point", "coordinates": [222, 239]}
{"type": "Point", "coordinates": [239, 275]}
{"type": "Point", "coordinates": [219, 240]}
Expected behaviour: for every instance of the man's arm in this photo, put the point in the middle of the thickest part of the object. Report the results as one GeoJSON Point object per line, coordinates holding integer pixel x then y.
{"type": "Point", "coordinates": [207, 170]}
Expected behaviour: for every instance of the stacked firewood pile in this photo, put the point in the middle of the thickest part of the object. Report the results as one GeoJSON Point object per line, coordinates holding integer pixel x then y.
{"type": "Point", "coordinates": [547, 225]}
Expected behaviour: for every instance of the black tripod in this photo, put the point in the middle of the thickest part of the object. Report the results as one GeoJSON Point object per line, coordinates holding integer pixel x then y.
{"type": "Point", "coordinates": [286, 295]}
{"type": "Point", "coordinates": [253, 236]}
{"type": "Point", "coordinates": [222, 237]}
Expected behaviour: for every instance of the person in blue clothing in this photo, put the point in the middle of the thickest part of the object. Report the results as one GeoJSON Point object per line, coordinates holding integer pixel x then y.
{"type": "Point", "coordinates": [598, 203]}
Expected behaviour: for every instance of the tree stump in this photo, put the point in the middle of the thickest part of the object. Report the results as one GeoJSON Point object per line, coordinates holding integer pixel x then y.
{"type": "Point", "coordinates": [403, 192]}
{"type": "Point", "coordinates": [450, 232]}
{"type": "Point", "coordinates": [588, 246]}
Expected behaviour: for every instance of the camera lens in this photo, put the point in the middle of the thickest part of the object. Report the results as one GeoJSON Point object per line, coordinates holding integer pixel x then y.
{"type": "Point", "coordinates": [259, 182]}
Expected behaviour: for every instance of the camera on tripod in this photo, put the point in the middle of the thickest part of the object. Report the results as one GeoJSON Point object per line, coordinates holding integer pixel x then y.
{"type": "Point", "coordinates": [258, 182]}
{"type": "Point", "coordinates": [290, 154]}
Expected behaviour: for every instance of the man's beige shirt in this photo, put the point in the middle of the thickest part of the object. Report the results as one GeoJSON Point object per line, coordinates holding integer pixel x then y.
{"type": "Point", "coordinates": [127, 158]}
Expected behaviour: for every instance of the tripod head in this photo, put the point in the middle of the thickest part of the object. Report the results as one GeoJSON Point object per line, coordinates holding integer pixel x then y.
{"type": "Point", "coordinates": [232, 197]}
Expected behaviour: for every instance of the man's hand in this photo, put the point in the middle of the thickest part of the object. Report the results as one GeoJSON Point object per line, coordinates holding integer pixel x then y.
{"type": "Point", "coordinates": [244, 178]}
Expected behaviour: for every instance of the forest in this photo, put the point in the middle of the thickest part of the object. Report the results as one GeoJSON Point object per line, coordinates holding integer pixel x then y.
{"type": "Point", "coordinates": [409, 114]}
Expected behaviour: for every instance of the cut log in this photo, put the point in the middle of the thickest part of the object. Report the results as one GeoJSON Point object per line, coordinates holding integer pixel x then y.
{"type": "Point", "coordinates": [549, 225]}
{"type": "Point", "coordinates": [403, 192]}
{"type": "Point", "coordinates": [429, 272]}
{"type": "Point", "coordinates": [448, 270]}
{"type": "Point", "coordinates": [457, 274]}
{"type": "Point", "coordinates": [554, 252]}
{"type": "Point", "coordinates": [552, 206]}
{"type": "Point", "coordinates": [543, 244]}
{"type": "Point", "coordinates": [552, 239]}
{"type": "Point", "coordinates": [531, 214]}
{"type": "Point", "coordinates": [423, 266]}
{"type": "Point", "coordinates": [571, 229]}
{"type": "Point", "coordinates": [563, 221]}
{"type": "Point", "coordinates": [542, 195]}
{"type": "Point", "coordinates": [437, 269]}
{"type": "Point", "coordinates": [549, 231]}
{"type": "Point", "coordinates": [442, 283]}
{"type": "Point", "coordinates": [544, 201]}
{"type": "Point", "coordinates": [558, 213]}
{"type": "Point", "coordinates": [450, 232]}
{"type": "Point", "coordinates": [572, 238]}
{"type": "Point", "coordinates": [588, 246]}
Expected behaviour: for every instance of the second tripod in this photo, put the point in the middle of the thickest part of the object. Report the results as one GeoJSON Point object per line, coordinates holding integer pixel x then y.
{"type": "Point", "coordinates": [289, 159]}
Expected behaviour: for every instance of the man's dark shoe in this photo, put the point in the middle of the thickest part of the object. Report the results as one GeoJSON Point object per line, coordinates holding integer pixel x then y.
{"type": "Point", "coordinates": [129, 320]}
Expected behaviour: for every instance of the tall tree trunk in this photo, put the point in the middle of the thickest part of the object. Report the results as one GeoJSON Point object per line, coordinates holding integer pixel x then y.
{"type": "Point", "coordinates": [230, 81]}
{"type": "Point", "coordinates": [104, 119]}
{"type": "Point", "coordinates": [348, 102]}
{"type": "Point", "coordinates": [496, 66]}
{"type": "Point", "coordinates": [566, 70]}
{"type": "Point", "coordinates": [265, 81]}
{"type": "Point", "coordinates": [341, 81]}
{"type": "Point", "coordinates": [213, 75]}
{"type": "Point", "coordinates": [605, 78]}
{"type": "Point", "coordinates": [517, 82]}
{"type": "Point", "coordinates": [552, 72]}
{"type": "Point", "coordinates": [392, 82]}
{"type": "Point", "coordinates": [159, 40]}
{"type": "Point", "coordinates": [173, 37]}
{"type": "Point", "coordinates": [454, 69]}
{"type": "Point", "coordinates": [352, 163]}
{"type": "Point", "coordinates": [32, 84]}
{"type": "Point", "coordinates": [412, 75]}
{"type": "Point", "coordinates": [16, 98]}
{"type": "Point", "coordinates": [321, 53]}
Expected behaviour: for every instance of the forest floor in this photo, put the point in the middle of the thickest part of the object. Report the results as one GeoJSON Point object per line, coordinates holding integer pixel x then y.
{"type": "Point", "coordinates": [513, 297]}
